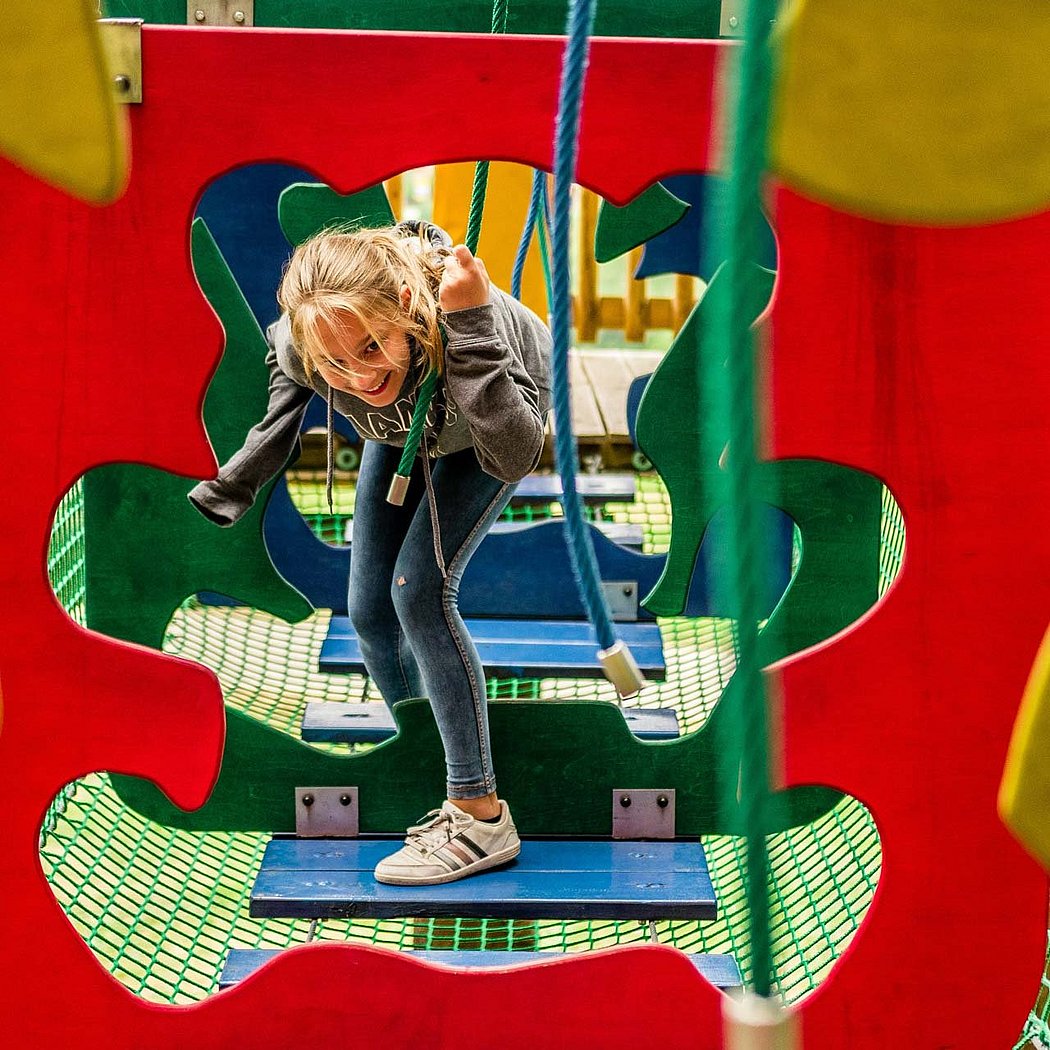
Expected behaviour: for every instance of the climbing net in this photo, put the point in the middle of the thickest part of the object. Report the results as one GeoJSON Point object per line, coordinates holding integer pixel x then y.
{"type": "Point", "coordinates": [160, 908]}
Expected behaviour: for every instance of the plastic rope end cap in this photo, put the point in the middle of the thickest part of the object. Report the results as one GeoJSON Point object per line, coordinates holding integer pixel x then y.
{"type": "Point", "coordinates": [620, 668]}
{"type": "Point", "coordinates": [398, 490]}
{"type": "Point", "coordinates": [754, 1023]}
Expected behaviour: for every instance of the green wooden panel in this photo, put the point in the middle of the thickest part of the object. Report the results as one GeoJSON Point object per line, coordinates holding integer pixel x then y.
{"type": "Point", "coordinates": [147, 548]}
{"type": "Point", "coordinates": [558, 764]}
{"type": "Point", "coordinates": [306, 208]}
{"type": "Point", "coordinates": [694, 19]}
{"type": "Point", "coordinates": [618, 230]}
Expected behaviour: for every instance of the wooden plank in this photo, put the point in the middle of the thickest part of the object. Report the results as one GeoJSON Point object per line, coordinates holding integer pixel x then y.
{"type": "Point", "coordinates": [551, 879]}
{"type": "Point", "coordinates": [593, 488]}
{"type": "Point", "coordinates": [721, 970]}
{"type": "Point", "coordinates": [610, 379]}
{"type": "Point", "coordinates": [621, 532]}
{"type": "Point", "coordinates": [587, 419]}
{"type": "Point", "coordinates": [497, 629]}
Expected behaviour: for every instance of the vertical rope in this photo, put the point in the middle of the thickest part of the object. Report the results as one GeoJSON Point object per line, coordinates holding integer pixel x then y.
{"type": "Point", "coordinates": [500, 11]}
{"type": "Point", "coordinates": [570, 95]}
{"type": "Point", "coordinates": [732, 373]}
{"type": "Point", "coordinates": [531, 220]}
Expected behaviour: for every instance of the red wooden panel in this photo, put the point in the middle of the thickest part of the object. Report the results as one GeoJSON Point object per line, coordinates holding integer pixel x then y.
{"type": "Point", "coordinates": [110, 346]}
{"type": "Point", "coordinates": [921, 356]}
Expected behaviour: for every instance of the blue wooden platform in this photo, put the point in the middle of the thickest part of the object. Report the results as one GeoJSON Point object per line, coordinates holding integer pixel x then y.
{"type": "Point", "coordinates": [551, 879]}
{"type": "Point", "coordinates": [592, 488]}
{"type": "Point", "coordinates": [619, 532]}
{"type": "Point", "coordinates": [721, 970]}
{"type": "Point", "coordinates": [339, 723]}
{"type": "Point", "coordinates": [518, 648]}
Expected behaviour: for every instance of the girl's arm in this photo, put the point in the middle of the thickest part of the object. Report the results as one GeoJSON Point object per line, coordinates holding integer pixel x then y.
{"type": "Point", "coordinates": [504, 400]}
{"type": "Point", "coordinates": [267, 448]}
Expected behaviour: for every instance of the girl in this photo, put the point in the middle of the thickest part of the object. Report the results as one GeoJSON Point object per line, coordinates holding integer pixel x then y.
{"type": "Point", "coordinates": [366, 316]}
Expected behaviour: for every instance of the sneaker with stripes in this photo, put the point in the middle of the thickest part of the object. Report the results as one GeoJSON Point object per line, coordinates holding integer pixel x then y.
{"type": "Point", "coordinates": [450, 844]}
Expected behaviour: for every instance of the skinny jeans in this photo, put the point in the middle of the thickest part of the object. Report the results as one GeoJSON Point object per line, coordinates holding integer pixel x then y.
{"type": "Point", "coordinates": [405, 609]}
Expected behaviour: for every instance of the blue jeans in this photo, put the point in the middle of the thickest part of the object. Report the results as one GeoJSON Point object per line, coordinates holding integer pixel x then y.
{"type": "Point", "coordinates": [405, 612]}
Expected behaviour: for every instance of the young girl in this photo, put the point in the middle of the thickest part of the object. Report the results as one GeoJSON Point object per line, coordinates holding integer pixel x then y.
{"type": "Point", "coordinates": [366, 316]}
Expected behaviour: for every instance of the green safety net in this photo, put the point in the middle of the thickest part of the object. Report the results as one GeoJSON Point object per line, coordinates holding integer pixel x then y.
{"type": "Point", "coordinates": [161, 908]}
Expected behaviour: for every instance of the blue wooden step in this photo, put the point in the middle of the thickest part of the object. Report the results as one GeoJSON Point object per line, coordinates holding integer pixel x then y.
{"type": "Point", "coordinates": [593, 488]}
{"type": "Point", "coordinates": [721, 970]}
{"type": "Point", "coordinates": [327, 722]}
{"type": "Point", "coordinates": [620, 532]}
{"type": "Point", "coordinates": [551, 879]}
{"type": "Point", "coordinates": [518, 648]}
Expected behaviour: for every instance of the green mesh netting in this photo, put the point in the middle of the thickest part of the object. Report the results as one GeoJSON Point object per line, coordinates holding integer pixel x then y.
{"type": "Point", "coordinates": [161, 908]}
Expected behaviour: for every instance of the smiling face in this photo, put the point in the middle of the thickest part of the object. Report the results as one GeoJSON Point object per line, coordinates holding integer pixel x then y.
{"type": "Point", "coordinates": [369, 362]}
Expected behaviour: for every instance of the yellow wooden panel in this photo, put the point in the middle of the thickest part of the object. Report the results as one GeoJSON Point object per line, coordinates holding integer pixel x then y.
{"type": "Point", "coordinates": [506, 207]}
{"type": "Point", "coordinates": [933, 112]}
{"type": "Point", "coordinates": [59, 118]}
{"type": "Point", "coordinates": [1024, 795]}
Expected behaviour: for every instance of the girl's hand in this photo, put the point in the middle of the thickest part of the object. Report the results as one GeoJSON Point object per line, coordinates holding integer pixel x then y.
{"type": "Point", "coordinates": [465, 282]}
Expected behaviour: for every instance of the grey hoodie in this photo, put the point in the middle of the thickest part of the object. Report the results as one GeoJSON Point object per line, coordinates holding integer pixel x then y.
{"type": "Point", "coordinates": [494, 395]}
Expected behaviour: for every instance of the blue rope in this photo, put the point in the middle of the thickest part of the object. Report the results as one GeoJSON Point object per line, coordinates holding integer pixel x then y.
{"type": "Point", "coordinates": [581, 551]}
{"type": "Point", "coordinates": [538, 179]}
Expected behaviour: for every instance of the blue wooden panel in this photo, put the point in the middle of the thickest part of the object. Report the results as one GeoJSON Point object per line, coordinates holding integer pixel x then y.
{"type": "Point", "coordinates": [593, 488]}
{"type": "Point", "coordinates": [685, 247]}
{"type": "Point", "coordinates": [338, 723]}
{"type": "Point", "coordinates": [510, 659]}
{"type": "Point", "coordinates": [552, 879]}
{"type": "Point", "coordinates": [621, 532]}
{"type": "Point", "coordinates": [644, 635]}
{"type": "Point", "coordinates": [721, 970]}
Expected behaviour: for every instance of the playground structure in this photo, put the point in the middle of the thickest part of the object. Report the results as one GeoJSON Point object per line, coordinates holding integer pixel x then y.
{"type": "Point", "coordinates": [864, 710]}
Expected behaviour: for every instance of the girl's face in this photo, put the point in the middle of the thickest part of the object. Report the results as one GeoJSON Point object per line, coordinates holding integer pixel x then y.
{"type": "Point", "coordinates": [372, 368]}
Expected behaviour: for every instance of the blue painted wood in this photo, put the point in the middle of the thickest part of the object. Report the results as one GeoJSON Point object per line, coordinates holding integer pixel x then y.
{"type": "Point", "coordinates": [721, 970]}
{"type": "Point", "coordinates": [338, 723]}
{"type": "Point", "coordinates": [644, 635]}
{"type": "Point", "coordinates": [551, 879]}
{"type": "Point", "coordinates": [509, 658]}
{"type": "Point", "coordinates": [240, 209]}
{"type": "Point", "coordinates": [621, 532]}
{"type": "Point", "coordinates": [593, 488]}
{"type": "Point", "coordinates": [685, 247]}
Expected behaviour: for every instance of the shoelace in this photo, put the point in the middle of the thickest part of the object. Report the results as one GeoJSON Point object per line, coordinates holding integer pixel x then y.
{"type": "Point", "coordinates": [429, 832]}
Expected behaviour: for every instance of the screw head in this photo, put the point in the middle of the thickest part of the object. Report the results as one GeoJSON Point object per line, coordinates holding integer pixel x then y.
{"type": "Point", "coordinates": [308, 800]}
{"type": "Point", "coordinates": [238, 17]}
{"type": "Point", "coordinates": [662, 801]}
{"type": "Point", "coordinates": [122, 83]}
{"type": "Point", "coordinates": [625, 801]}
{"type": "Point", "coordinates": [733, 21]}
{"type": "Point", "coordinates": [345, 800]}
{"type": "Point", "coordinates": [199, 15]}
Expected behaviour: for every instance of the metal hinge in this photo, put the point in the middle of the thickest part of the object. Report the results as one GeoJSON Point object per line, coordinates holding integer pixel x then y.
{"type": "Point", "coordinates": [327, 812]}
{"type": "Point", "coordinates": [643, 813]}
{"type": "Point", "coordinates": [122, 44]}
{"type": "Point", "coordinates": [220, 13]}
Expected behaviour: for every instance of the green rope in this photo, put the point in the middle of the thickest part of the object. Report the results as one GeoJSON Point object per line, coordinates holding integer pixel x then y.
{"type": "Point", "coordinates": [500, 10]}
{"type": "Point", "coordinates": [747, 785]}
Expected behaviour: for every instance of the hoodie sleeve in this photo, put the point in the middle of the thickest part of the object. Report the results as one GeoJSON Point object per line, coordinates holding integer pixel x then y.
{"type": "Point", "coordinates": [504, 405]}
{"type": "Point", "coordinates": [267, 448]}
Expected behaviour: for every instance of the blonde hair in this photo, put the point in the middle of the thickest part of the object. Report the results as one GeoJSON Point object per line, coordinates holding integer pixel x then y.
{"type": "Point", "coordinates": [363, 272]}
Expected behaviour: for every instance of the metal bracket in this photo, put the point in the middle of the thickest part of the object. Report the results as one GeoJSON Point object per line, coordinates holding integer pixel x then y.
{"type": "Point", "coordinates": [732, 22]}
{"type": "Point", "coordinates": [326, 812]}
{"type": "Point", "coordinates": [214, 13]}
{"type": "Point", "coordinates": [122, 44]}
{"type": "Point", "coordinates": [622, 596]}
{"type": "Point", "coordinates": [643, 813]}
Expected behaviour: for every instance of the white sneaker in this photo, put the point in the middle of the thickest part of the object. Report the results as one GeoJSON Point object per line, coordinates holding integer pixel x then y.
{"type": "Point", "coordinates": [450, 844]}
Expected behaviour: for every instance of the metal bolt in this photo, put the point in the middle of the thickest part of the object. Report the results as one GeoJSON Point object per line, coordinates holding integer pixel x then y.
{"type": "Point", "coordinates": [661, 801]}
{"type": "Point", "coordinates": [308, 800]}
{"type": "Point", "coordinates": [345, 800]}
{"type": "Point", "coordinates": [628, 591]}
{"type": "Point", "coordinates": [122, 83]}
{"type": "Point", "coordinates": [625, 801]}
{"type": "Point", "coordinates": [199, 15]}
{"type": "Point", "coordinates": [733, 21]}
{"type": "Point", "coordinates": [238, 17]}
